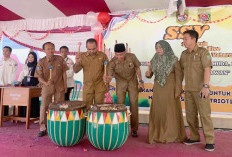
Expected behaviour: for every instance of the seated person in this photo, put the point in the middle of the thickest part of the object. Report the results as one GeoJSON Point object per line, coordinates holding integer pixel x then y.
{"type": "Point", "coordinates": [26, 78]}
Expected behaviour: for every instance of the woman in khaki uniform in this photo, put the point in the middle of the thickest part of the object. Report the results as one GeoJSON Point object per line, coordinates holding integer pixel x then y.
{"type": "Point", "coordinates": [166, 119]}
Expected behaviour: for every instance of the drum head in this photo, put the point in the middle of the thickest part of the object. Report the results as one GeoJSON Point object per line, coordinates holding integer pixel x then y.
{"type": "Point", "coordinates": [67, 106]}
{"type": "Point", "coordinates": [108, 107]}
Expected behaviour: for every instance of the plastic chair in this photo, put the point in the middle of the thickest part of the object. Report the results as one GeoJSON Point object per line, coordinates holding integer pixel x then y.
{"type": "Point", "coordinates": [76, 90]}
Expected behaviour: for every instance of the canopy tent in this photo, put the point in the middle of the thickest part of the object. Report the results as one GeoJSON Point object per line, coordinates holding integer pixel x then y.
{"type": "Point", "coordinates": [44, 9]}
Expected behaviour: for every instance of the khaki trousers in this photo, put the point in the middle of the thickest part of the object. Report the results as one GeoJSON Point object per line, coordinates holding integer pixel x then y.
{"type": "Point", "coordinates": [133, 101]}
{"type": "Point", "coordinates": [47, 94]}
{"type": "Point", "coordinates": [93, 98]}
{"type": "Point", "coordinates": [194, 105]}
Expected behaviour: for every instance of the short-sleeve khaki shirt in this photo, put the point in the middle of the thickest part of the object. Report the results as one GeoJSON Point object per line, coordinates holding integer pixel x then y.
{"type": "Point", "coordinates": [124, 72]}
{"type": "Point", "coordinates": [93, 70]}
{"type": "Point", "coordinates": [58, 67]}
{"type": "Point", "coordinates": [193, 65]}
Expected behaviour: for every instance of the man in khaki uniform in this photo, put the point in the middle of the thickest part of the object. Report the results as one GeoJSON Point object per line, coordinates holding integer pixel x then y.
{"type": "Point", "coordinates": [92, 63]}
{"type": "Point", "coordinates": [51, 72]}
{"type": "Point", "coordinates": [126, 68]}
{"type": "Point", "coordinates": [196, 64]}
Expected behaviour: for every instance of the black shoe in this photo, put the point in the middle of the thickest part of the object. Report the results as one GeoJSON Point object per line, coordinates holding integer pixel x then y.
{"type": "Point", "coordinates": [134, 134]}
{"type": "Point", "coordinates": [209, 147]}
{"type": "Point", "coordinates": [42, 133]}
{"type": "Point", "coordinates": [191, 142]}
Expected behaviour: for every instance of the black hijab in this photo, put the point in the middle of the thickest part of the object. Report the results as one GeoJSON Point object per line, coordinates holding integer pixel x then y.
{"type": "Point", "coordinates": [32, 64]}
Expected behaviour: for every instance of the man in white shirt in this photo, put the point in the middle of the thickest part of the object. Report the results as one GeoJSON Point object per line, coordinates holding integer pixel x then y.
{"type": "Point", "coordinates": [8, 70]}
{"type": "Point", "coordinates": [64, 51]}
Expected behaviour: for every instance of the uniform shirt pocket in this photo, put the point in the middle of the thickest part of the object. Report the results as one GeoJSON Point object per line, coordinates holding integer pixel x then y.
{"type": "Point", "coordinates": [196, 60]}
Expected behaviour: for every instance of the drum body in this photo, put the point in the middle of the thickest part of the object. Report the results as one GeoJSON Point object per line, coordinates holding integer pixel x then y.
{"type": "Point", "coordinates": [107, 126]}
{"type": "Point", "coordinates": [66, 122]}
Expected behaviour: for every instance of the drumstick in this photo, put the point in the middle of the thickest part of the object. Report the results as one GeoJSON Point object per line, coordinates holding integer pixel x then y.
{"type": "Point", "coordinates": [105, 64]}
{"type": "Point", "coordinates": [126, 47]}
{"type": "Point", "coordinates": [104, 48]}
{"type": "Point", "coordinates": [79, 47]}
{"type": "Point", "coordinates": [110, 55]}
{"type": "Point", "coordinates": [50, 68]}
{"type": "Point", "coordinates": [148, 66]}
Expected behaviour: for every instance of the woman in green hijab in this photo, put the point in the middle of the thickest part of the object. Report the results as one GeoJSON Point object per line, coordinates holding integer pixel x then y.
{"type": "Point", "coordinates": [166, 119]}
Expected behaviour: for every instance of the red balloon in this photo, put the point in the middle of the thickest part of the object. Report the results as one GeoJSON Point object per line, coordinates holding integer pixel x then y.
{"type": "Point", "coordinates": [103, 17]}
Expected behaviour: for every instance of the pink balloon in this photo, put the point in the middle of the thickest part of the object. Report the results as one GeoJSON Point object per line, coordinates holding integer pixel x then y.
{"type": "Point", "coordinates": [97, 28]}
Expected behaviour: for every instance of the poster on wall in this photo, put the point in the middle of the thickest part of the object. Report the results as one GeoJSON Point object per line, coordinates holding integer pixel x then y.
{"type": "Point", "coordinates": [142, 30]}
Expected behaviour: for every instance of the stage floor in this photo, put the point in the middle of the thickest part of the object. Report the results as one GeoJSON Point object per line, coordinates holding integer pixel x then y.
{"type": "Point", "coordinates": [16, 141]}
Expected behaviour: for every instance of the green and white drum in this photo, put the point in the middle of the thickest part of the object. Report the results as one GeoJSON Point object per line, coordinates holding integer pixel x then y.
{"type": "Point", "coordinates": [66, 122]}
{"type": "Point", "coordinates": [107, 126]}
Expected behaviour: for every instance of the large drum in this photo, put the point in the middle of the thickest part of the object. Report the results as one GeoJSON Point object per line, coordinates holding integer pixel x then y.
{"type": "Point", "coordinates": [66, 122]}
{"type": "Point", "coordinates": [107, 126]}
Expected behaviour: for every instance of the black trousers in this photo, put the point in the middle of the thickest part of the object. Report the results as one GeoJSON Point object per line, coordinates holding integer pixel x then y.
{"type": "Point", "coordinates": [6, 110]}
{"type": "Point", "coordinates": [35, 109]}
{"type": "Point", "coordinates": [67, 95]}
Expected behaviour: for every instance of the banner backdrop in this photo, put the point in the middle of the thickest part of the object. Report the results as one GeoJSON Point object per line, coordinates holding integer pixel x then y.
{"type": "Point", "coordinates": [142, 30]}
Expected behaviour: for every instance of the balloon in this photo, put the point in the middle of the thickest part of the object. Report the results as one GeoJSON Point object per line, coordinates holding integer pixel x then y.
{"type": "Point", "coordinates": [97, 28]}
{"type": "Point", "coordinates": [103, 17]}
{"type": "Point", "coordinates": [91, 18]}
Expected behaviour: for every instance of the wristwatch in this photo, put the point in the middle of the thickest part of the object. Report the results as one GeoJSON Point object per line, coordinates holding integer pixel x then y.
{"type": "Point", "coordinates": [205, 85]}
{"type": "Point", "coordinates": [141, 81]}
